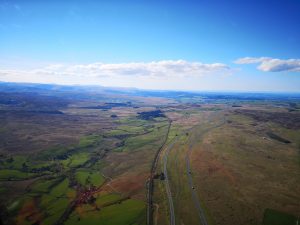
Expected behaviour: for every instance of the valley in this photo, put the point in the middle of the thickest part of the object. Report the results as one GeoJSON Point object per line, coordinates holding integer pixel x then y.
{"type": "Point", "coordinates": [106, 158]}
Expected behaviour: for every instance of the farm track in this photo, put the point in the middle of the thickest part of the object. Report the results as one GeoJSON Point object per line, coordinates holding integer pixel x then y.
{"type": "Point", "coordinates": [167, 184]}
{"type": "Point", "coordinates": [198, 205]}
{"type": "Point", "coordinates": [150, 182]}
{"type": "Point", "coordinates": [195, 198]}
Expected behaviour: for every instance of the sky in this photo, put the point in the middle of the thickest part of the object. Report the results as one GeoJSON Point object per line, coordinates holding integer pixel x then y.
{"type": "Point", "coordinates": [213, 45]}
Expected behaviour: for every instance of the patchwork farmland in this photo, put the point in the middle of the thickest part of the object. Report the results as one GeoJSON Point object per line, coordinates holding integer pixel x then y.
{"type": "Point", "coordinates": [128, 159]}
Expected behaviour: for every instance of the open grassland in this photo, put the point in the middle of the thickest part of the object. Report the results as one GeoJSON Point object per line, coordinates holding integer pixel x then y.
{"type": "Point", "coordinates": [239, 171]}
{"type": "Point", "coordinates": [183, 130]}
{"type": "Point", "coordinates": [255, 171]}
{"type": "Point", "coordinates": [87, 160]}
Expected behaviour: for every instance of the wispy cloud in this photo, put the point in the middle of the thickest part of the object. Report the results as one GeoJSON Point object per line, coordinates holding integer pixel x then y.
{"type": "Point", "coordinates": [17, 7]}
{"type": "Point", "coordinates": [267, 64]}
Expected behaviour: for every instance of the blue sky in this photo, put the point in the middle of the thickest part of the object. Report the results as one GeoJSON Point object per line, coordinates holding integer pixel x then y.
{"type": "Point", "coordinates": [187, 45]}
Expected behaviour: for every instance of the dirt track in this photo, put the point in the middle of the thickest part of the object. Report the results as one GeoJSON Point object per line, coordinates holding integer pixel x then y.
{"type": "Point", "coordinates": [150, 184]}
{"type": "Point", "coordinates": [169, 194]}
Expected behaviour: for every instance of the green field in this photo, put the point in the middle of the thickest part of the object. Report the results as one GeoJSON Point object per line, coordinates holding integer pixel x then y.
{"type": "Point", "coordinates": [89, 141]}
{"type": "Point", "coordinates": [89, 177]}
{"type": "Point", "coordinates": [108, 199]}
{"type": "Point", "coordinates": [15, 162]}
{"type": "Point", "coordinates": [76, 160]}
{"type": "Point", "coordinates": [7, 174]}
{"type": "Point", "coordinates": [127, 212]}
{"type": "Point", "coordinates": [273, 217]}
{"type": "Point", "coordinates": [43, 186]}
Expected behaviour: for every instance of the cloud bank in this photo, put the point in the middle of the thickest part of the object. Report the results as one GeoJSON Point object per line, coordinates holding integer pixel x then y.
{"type": "Point", "coordinates": [267, 64]}
{"type": "Point", "coordinates": [155, 69]}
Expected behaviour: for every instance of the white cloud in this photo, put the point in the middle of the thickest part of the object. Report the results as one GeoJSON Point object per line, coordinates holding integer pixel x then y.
{"type": "Point", "coordinates": [267, 64]}
{"type": "Point", "coordinates": [155, 69]}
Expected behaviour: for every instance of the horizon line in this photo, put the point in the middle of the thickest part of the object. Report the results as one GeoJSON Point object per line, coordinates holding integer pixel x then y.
{"type": "Point", "coordinates": [159, 90]}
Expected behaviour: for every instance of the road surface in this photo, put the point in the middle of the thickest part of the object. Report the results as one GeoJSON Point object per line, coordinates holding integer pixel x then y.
{"type": "Point", "coordinates": [150, 183]}
{"type": "Point", "coordinates": [195, 198]}
{"type": "Point", "coordinates": [167, 184]}
{"type": "Point", "coordinates": [199, 208]}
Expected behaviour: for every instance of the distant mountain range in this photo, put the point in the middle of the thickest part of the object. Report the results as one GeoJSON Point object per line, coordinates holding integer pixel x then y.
{"type": "Point", "coordinates": [97, 89]}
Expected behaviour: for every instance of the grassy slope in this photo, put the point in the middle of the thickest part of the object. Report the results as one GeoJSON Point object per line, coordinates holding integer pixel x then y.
{"type": "Point", "coordinates": [254, 173]}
